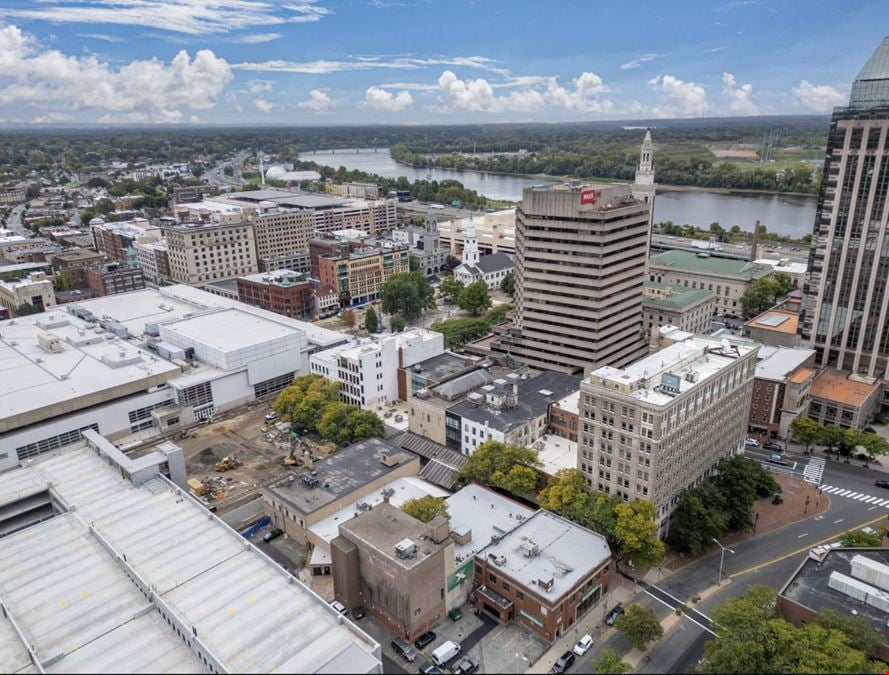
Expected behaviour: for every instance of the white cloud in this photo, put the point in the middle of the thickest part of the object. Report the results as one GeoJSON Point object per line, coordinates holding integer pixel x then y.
{"type": "Point", "coordinates": [153, 117]}
{"type": "Point", "coordinates": [195, 17]}
{"type": "Point", "coordinates": [376, 98]}
{"type": "Point", "coordinates": [264, 106]}
{"type": "Point", "coordinates": [324, 67]}
{"type": "Point", "coordinates": [52, 118]}
{"type": "Point", "coordinates": [740, 97]}
{"type": "Point", "coordinates": [155, 89]}
{"type": "Point", "coordinates": [585, 97]}
{"type": "Point", "coordinates": [818, 97]}
{"type": "Point", "coordinates": [412, 86]}
{"type": "Point", "coordinates": [259, 86]}
{"type": "Point", "coordinates": [639, 60]}
{"type": "Point", "coordinates": [318, 101]}
{"type": "Point", "coordinates": [100, 36]}
{"type": "Point", "coordinates": [691, 98]}
{"type": "Point", "coordinates": [257, 38]}
{"type": "Point", "coordinates": [477, 95]}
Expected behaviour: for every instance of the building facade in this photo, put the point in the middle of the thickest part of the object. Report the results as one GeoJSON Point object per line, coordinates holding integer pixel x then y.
{"type": "Point", "coordinates": [281, 233]}
{"type": "Point", "coordinates": [492, 269]}
{"type": "Point", "coordinates": [844, 315]}
{"type": "Point", "coordinates": [659, 426]}
{"type": "Point", "coordinates": [154, 259]}
{"type": "Point", "coordinates": [688, 309]}
{"type": "Point", "coordinates": [281, 291]}
{"type": "Point", "coordinates": [781, 389]}
{"type": "Point", "coordinates": [113, 278]}
{"type": "Point", "coordinates": [115, 239]}
{"type": "Point", "coordinates": [359, 275]}
{"type": "Point", "coordinates": [200, 253]}
{"type": "Point", "coordinates": [36, 290]}
{"type": "Point", "coordinates": [581, 260]}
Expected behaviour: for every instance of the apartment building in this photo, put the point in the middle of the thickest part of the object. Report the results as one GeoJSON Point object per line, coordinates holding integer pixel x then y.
{"type": "Point", "coordinates": [688, 309]}
{"type": "Point", "coordinates": [112, 278]}
{"type": "Point", "coordinates": [280, 234]}
{"type": "Point", "coordinates": [280, 291]}
{"type": "Point", "coordinates": [844, 315]}
{"type": "Point", "coordinates": [115, 239]}
{"type": "Point", "coordinates": [36, 290]}
{"type": "Point", "coordinates": [728, 278]}
{"type": "Point", "coordinates": [581, 255]}
{"type": "Point", "coordinates": [358, 190]}
{"type": "Point", "coordinates": [154, 259]}
{"type": "Point", "coordinates": [660, 425]}
{"type": "Point", "coordinates": [781, 389]}
{"type": "Point", "coordinates": [207, 252]}
{"type": "Point", "coordinates": [359, 275]}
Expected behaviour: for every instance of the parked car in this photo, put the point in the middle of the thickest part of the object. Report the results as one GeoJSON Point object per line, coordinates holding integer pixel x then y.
{"type": "Point", "coordinates": [428, 668]}
{"type": "Point", "coordinates": [882, 483]}
{"type": "Point", "coordinates": [425, 640]}
{"type": "Point", "coordinates": [404, 650]}
{"type": "Point", "coordinates": [613, 615]}
{"type": "Point", "coordinates": [271, 416]}
{"type": "Point", "coordinates": [772, 446]}
{"type": "Point", "coordinates": [446, 652]}
{"type": "Point", "coordinates": [467, 666]}
{"type": "Point", "coordinates": [751, 442]}
{"type": "Point", "coordinates": [359, 613]}
{"type": "Point", "coordinates": [339, 607]}
{"type": "Point", "coordinates": [775, 458]}
{"type": "Point", "coordinates": [455, 614]}
{"type": "Point", "coordinates": [563, 663]}
{"type": "Point", "coordinates": [272, 534]}
{"type": "Point", "coordinates": [583, 645]}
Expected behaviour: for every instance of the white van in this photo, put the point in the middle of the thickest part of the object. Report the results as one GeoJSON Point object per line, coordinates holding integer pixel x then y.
{"type": "Point", "coordinates": [445, 652]}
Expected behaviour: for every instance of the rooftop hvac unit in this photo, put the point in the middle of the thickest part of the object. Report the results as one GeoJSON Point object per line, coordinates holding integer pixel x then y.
{"type": "Point", "coordinates": [546, 582]}
{"type": "Point", "coordinates": [308, 480]}
{"type": "Point", "coordinates": [530, 548]}
{"type": "Point", "coordinates": [871, 571]}
{"type": "Point", "coordinates": [870, 595]}
{"type": "Point", "coordinates": [387, 458]}
{"type": "Point", "coordinates": [405, 549]}
{"type": "Point", "coordinates": [49, 343]}
{"type": "Point", "coordinates": [691, 376]}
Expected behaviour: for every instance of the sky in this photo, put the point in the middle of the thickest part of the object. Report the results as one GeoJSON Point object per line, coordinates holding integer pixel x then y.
{"type": "Point", "coordinates": [314, 62]}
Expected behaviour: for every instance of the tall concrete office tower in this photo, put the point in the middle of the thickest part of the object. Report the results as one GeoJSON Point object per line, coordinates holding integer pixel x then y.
{"type": "Point", "coordinates": [581, 255]}
{"type": "Point", "coordinates": [844, 315]}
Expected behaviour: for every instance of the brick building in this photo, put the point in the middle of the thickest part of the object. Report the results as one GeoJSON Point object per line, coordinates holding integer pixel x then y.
{"type": "Point", "coordinates": [781, 388]}
{"type": "Point", "coordinates": [545, 574]}
{"type": "Point", "coordinates": [563, 416]}
{"type": "Point", "coordinates": [113, 278]}
{"type": "Point", "coordinates": [281, 291]}
{"type": "Point", "coordinates": [75, 262]}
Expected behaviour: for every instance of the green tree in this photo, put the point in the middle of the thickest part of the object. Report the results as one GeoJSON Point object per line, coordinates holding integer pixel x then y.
{"type": "Point", "coordinates": [457, 332]}
{"type": "Point", "coordinates": [717, 231]}
{"type": "Point", "coordinates": [805, 430]}
{"type": "Point", "coordinates": [861, 633]}
{"type": "Point", "coordinates": [699, 518]}
{"type": "Point", "coordinates": [25, 309]}
{"type": "Point", "coordinates": [509, 467]}
{"type": "Point", "coordinates": [308, 412]}
{"type": "Point", "coordinates": [874, 445]}
{"type": "Point", "coordinates": [332, 424]}
{"type": "Point", "coordinates": [636, 533]}
{"type": "Point", "coordinates": [832, 436]}
{"type": "Point", "coordinates": [475, 298]}
{"type": "Point", "coordinates": [741, 482]}
{"type": "Point", "coordinates": [349, 318]}
{"type": "Point", "coordinates": [363, 424]}
{"type": "Point", "coordinates": [566, 494]}
{"type": "Point", "coordinates": [291, 397]}
{"type": "Point", "coordinates": [861, 539]}
{"type": "Point", "coordinates": [609, 663]}
{"type": "Point", "coordinates": [498, 313]}
{"type": "Point", "coordinates": [397, 323]}
{"type": "Point", "coordinates": [63, 281]}
{"type": "Point", "coordinates": [426, 508]}
{"type": "Point", "coordinates": [450, 289]}
{"type": "Point", "coordinates": [407, 294]}
{"type": "Point", "coordinates": [640, 626]}
{"type": "Point", "coordinates": [371, 322]}
{"type": "Point", "coordinates": [507, 285]}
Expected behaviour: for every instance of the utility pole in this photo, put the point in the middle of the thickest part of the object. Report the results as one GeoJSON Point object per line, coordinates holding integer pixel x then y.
{"type": "Point", "coordinates": [722, 559]}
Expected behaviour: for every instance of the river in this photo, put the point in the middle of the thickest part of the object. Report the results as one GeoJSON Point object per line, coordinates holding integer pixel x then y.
{"type": "Point", "coordinates": [789, 215]}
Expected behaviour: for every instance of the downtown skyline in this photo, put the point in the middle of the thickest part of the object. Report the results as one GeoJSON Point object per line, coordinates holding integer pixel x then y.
{"type": "Point", "coordinates": [311, 62]}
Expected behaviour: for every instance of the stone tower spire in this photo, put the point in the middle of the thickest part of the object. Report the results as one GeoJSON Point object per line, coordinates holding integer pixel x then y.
{"type": "Point", "coordinates": [643, 187]}
{"type": "Point", "coordinates": [470, 244]}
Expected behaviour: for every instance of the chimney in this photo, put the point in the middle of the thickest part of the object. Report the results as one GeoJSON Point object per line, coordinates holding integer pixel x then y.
{"type": "Point", "coordinates": [755, 243]}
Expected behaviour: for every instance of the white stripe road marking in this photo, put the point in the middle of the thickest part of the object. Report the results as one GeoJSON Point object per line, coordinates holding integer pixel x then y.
{"type": "Point", "coordinates": [862, 498]}
{"type": "Point", "coordinates": [854, 495]}
{"type": "Point", "coordinates": [838, 521]}
{"type": "Point", "coordinates": [804, 534]}
{"type": "Point", "coordinates": [844, 493]}
{"type": "Point", "coordinates": [871, 500]}
{"type": "Point", "coordinates": [872, 508]}
{"type": "Point", "coordinates": [830, 489]}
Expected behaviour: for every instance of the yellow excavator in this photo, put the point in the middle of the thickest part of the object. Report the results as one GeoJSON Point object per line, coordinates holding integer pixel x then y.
{"type": "Point", "coordinates": [227, 464]}
{"type": "Point", "coordinates": [291, 460]}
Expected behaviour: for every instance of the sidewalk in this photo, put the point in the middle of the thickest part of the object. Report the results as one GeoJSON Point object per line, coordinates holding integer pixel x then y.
{"type": "Point", "coordinates": [620, 591]}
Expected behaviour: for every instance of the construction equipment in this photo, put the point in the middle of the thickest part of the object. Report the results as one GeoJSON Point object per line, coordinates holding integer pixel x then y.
{"type": "Point", "coordinates": [198, 489]}
{"type": "Point", "coordinates": [291, 460]}
{"type": "Point", "coordinates": [227, 463]}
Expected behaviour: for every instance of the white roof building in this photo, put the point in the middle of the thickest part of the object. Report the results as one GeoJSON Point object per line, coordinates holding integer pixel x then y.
{"type": "Point", "coordinates": [110, 577]}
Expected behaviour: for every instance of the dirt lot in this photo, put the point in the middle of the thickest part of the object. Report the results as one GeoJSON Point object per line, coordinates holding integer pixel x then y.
{"type": "Point", "coordinates": [247, 438]}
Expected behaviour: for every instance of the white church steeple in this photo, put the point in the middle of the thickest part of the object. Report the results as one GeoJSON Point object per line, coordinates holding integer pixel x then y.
{"type": "Point", "coordinates": [470, 244]}
{"type": "Point", "coordinates": [643, 187]}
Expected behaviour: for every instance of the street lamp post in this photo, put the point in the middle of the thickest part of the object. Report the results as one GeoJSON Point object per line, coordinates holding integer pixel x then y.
{"type": "Point", "coordinates": [722, 559]}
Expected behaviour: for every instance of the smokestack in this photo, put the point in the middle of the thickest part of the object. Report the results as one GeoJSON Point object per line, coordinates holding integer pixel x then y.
{"type": "Point", "coordinates": [755, 243]}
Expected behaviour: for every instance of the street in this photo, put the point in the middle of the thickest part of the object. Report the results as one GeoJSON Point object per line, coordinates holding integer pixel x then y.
{"type": "Point", "coordinates": [216, 176]}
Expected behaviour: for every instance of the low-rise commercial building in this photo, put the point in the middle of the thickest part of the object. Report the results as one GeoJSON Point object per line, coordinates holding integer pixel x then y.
{"type": "Point", "coordinates": [395, 566]}
{"type": "Point", "coordinates": [840, 397]}
{"type": "Point", "coordinates": [74, 263]}
{"type": "Point", "coordinates": [564, 416]}
{"type": "Point", "coordinates": [545, 574]}
{"type": "Point", "coordinates": [115, 239]}
{"type": "Point", "coordinates": [780, 389]}
{"type": "Point", "coordinates": [728, 278]}
{"type": "Point", "coordinates": [112, 278]}
{"type": "Point", "coordinates": [138, 574]}
{"type": "Point", "coordinates": [774, 327]}
{"type": "Point", "coordinates": [35, 290]}
{"type": "Point", "coordinates": [359, 274]}
{"type": "Point", "coordinates": [281, 291]}
{"type": "Point", "coordinates": [659, 426]}
{"type": "Point", "coordinates": [688, 309]}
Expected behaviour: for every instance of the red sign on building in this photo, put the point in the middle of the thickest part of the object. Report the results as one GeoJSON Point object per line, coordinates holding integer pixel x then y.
{"type": "Point", "coordinates": [589, 197]}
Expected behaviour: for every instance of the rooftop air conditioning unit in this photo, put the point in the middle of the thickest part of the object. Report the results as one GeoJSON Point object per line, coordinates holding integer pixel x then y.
{"type": "Point", "coordinates": [406, 549]}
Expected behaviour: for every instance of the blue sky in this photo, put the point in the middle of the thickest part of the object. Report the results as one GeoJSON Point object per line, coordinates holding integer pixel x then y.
{"type": "Point", "coordinates": [425, 61]}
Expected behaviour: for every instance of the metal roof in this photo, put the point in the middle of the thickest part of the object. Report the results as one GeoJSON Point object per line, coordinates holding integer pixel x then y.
{"type": "Point", "coordinates": [703, 263]}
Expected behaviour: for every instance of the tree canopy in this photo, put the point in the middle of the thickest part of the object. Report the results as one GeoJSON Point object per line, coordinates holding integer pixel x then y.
{"type": "Point", "coordinates": [507, 285]}
{"type": "Point", "coordinates": [765, 292]}
{"type": "Point", "coordinates": [636, 532]}
{"type": "Point", "coordinates": [371, 322]}
{"type": "Point", "coordinates": [407, 294]}
{"type": "Point", "coordinates": [426, 508]}
{"type": "Point", "coordinates": [609, 663]}
{"type": "Point", "coordinates": [450, 289]}
{"type": "Point", "coordinates": [512, 468]}
{"type": "Point", "coordinates": [475, 298]}
{"type": "Point", "coordinates": [640, 626]}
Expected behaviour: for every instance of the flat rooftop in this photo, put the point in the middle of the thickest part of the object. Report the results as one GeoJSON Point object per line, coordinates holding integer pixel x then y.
{"type": "Point", "coordinates": [340, 474]}
{"type": "Point", "coordinates": [400, 490]}
{"type": "Point", "coordinates": [87, 587]}
{"type": "Point", "coordinates": [810, 586]}
{"type": "Point", "coordinates": [482, 513]}
{"type": "Point", "coordinates": [299, 200]}
{"type": "Point", "coordinates": [565, 552]}
{"type": "Point", "coordinates": [777, 363]}
{"type": "Point", "coordinates": [443, 366]}
{"type": "Point", "coordinates": [704, 263]}
{"type": "Point", "coordinates": [556, 453]}
{"type": "Point", "coordinates": [835, 385]}
{"type": "Point", "coordinates": [705, 356]}
{"type": "Point", "coordinates": [385, 526]}
{"type": "Point", "coordinates": [673, 297]}
{"type": "Point", "coordinates": [232, 329]}
{"type": "Point", "coordinates": [775, 320]}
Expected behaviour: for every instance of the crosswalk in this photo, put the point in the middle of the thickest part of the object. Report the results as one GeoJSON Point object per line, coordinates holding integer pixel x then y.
{"type": "Point", "coordinates": [857, 496]}
{"type": "Point", "coordinates": [814, 470]}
